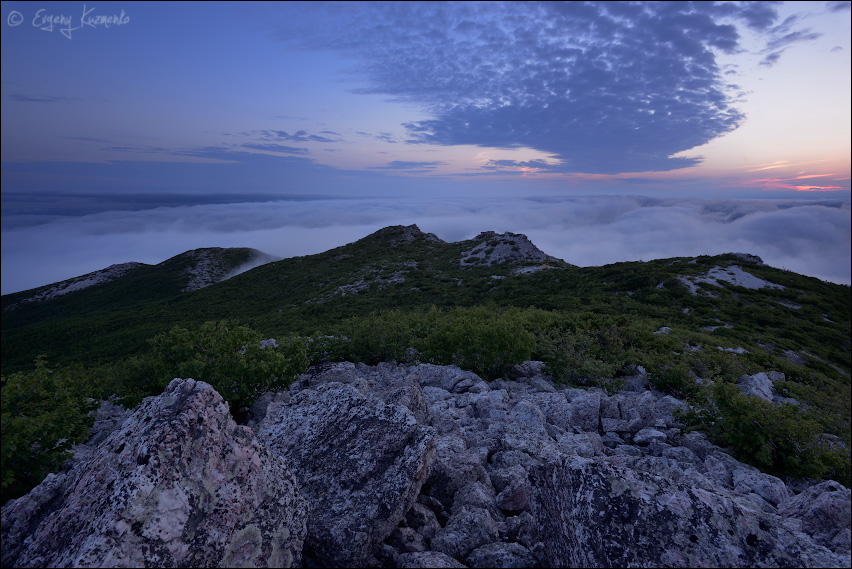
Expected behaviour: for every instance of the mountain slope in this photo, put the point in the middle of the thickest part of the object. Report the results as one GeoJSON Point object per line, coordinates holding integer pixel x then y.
{"type": "Point", "coordinates": [695, 327]}
{"type": "Point", "coordinates": [402, 267]}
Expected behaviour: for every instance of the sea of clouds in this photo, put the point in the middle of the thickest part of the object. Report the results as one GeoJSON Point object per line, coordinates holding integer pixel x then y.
{"type": "Point", "coordinates": [810, 237]}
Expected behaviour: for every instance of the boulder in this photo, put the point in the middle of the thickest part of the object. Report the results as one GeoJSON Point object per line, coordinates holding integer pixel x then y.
{"type": "Point", "coordinates": [825, 511]}
{"type": "Point", "coordinates": [360, 462]}
{"type": "Point", "coordinates": [593, 514]}
{"type": "Point", "coordinates": [434, 559]}
{"type": "Point", "coordinates": [502, 555]}
{"type": "Point", "coordinates": [179, 484]}
{"type": "Point", "coordinates": [585, 412]}
{"type": "Point", "coordinates": [467, 530]}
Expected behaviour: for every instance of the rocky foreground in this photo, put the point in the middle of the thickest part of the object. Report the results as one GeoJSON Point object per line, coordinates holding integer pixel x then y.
{"type": "Point", "coordinates": [417, 466]}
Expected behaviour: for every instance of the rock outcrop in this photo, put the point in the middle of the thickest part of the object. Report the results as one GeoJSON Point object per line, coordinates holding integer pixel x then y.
{"type": "Point", "coordinates": [359, 462]}
{"type": "Point", "coordinates": [491, 248]}
{"type": "Point", "coordinates": [429, 466]}
{"type": "Point", "coordinates": [177, 484]}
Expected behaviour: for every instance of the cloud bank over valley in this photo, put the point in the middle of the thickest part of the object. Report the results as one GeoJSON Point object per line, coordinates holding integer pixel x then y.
{"type": "Point", "coordinates": [808, 237]}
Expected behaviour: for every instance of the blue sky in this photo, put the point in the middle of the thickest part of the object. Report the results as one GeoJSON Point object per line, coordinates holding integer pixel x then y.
{"type": "Point", "coordinates": [605, 131]}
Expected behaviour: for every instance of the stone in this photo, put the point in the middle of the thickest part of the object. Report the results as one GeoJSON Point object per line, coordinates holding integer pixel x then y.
{"type": "Point", "coordinates": [759, 385]}
{"type": "Point", "coordinates": [645, 436]}
{"type": "Point", "coordinates": [825, 511]}
{"type": "Point", "coordinates": [515, 497]}
{"type": "Point", "coordinates": [502, 555]}
{"type": "Point", "coordinates": [591, 513]}
{"type": "Point", "coordinates": [450, 378]}
{"type": "Point", "coordinates": [585, 412]}
{"type": "Point", "coordinates": [422, 519]}
{"type": "Point", "coordinates": [768, 487]}
{"type": "Point", "coordinates": [179, 484]}
{"type": "Point", "coordinates": [428, 466]}
{"type": "Point", "coordinates": [467, 530]}
{"type": "Point", "coordinates": [453, 467]}
{"type": "Point", "coordinates": [360, 462]}
{"type": "Point", "coordinates": [407, 540]}
{"type": "Point", "coordinates": [434, 559]}
{"type": "Point", "coordinates": [526, 369]}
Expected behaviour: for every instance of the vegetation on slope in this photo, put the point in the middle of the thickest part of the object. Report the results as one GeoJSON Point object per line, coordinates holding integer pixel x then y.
{"type": "Point", "coordinates": [398, 295]}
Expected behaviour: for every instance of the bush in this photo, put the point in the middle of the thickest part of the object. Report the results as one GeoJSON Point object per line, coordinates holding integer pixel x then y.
{"type": "Point", "coordinates": [229, 357]}
{"type": "Point", "coordinates": [586, 349]}
{"type": "Point", "coordinates": [44, 413]}
{"type": "Point", "coordinates": [478, 339]}
{"type": "Point", "coordinates": [777, 439]}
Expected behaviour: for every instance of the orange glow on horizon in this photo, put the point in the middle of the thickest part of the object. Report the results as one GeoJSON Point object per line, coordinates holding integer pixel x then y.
{"type": "Point", "coordinates": [816, 188]}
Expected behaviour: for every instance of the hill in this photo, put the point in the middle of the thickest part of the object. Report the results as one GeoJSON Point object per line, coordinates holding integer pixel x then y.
{"type": "Point", "coordinates": [404, 268]}
{"type": "Point", "coordinates": [703, 329]}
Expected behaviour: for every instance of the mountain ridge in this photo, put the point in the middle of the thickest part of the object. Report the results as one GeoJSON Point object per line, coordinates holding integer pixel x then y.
{"type": "Point", "coordinates": [396, 267]}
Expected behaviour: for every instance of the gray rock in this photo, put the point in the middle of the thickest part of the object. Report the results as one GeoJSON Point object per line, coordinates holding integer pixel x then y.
{"type": "Point", "coordinates": [515, 472]}
{"type": "Point", "coordinates": [585, 412]}
{"type": "Point", "coordinates": [647, 435]}
{"type": "Point", "coordinates": [582, 444]}
{"type": "Point", "coordinates": [428, 559]}
{"type": "Point", "coordinates": [467, 530]}
{"type": "Point", "coordinates": [421, 518]}
{"type": "Point", "coordinates": [476, 495]}
{"type": "Point", "coordinates": [611, 440]}
{"type": "Point", "coordinates": [768, 487]}
{"type": "Point", "coordinates": [453, 467]}
{"type": "Point", "coordinates": [407, 540]}
{"type": "Point", "coordinates": [593, 514]}
{"type": "Point", "coordinates": [515, 497]}
{"type": "Point", "coordinates": [179, 484]}
{"type": "Point", "coordinates": [502, 555]}
{"type": "Point", "coordinates": [502, 477]}
{"type": "Point", "coordinates": [759, 385]}
{"type": "Point", "coordinates": [554, 406]}
{"type": "Point", "coordinates": [825, 511]}
{"type": "Point", "coordinates": [527, 369]}
{"type": "Point", "coordinates": [665, 407]}
{"type": "Point", "coordinates": [522, 529]}
{"type": "Point", "coordinates": [360, 462]}
{"type": "Point", "coordinates": [450, 378]}
{"type": "Point", "coordinates": [637, 382]}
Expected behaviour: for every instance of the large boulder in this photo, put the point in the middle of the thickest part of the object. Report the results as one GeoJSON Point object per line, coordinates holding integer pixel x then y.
{"type": "Point", "coordinates": [360, 462]}
{"type": "Point", "coordinates": [595, 514]}
{"type": "Point", "coordinates": [178, 484]}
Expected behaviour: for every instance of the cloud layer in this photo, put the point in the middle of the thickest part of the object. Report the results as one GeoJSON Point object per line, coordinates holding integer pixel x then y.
{"type": "Point", "coordinates": [608, 87]}
{"type": "Point", "coordinates": [808, 237]}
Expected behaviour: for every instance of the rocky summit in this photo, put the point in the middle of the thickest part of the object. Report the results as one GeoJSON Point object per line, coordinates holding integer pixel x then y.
{"type": "Point", "coordinates": [418, 466]}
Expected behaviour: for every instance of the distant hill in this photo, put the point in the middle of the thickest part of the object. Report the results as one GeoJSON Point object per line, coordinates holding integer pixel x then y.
{"type": "Point", "coordinates": [109, 314]}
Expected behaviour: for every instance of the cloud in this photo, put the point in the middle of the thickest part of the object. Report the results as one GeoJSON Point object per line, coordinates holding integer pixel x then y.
{"type": "Point", "coordinates": [839, 5]}
{"type": "Point", "coordinates": [382, 136]}
{"type": "Point", "coordinates": [41, 99]}
{"type": "Point", "coordinates": [271, 147]}
{"type": "Point", "coordinates": [771, 59]}
{"type": "Point", "coordinates": [604, 87]}
{"type": "Point", "coordinates": [298, 136]}
{"type": "Point", "coordinates": [811, 237]}
{"type": "Point", "coordinates": [404, 165]}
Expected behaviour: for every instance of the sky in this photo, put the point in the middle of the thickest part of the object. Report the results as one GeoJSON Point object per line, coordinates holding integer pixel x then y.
{"type": "Point", "coordinates": [605, 132]}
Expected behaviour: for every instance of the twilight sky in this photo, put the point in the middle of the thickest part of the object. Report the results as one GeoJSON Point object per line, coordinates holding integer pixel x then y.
{"type": "Point", "coordinates": [605, 131]}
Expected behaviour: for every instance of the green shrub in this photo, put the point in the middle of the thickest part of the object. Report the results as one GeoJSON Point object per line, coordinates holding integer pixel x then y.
{"type": "Point", "coordinates": [479, 339]}
{"type": "Point", "coordinates": [781, 440]}
{"type": "Point", "coordinates": [44, 413]}
{"type": "Point", "coordinates": [230, 358]}
{"type": "Point", "coordinates": [587, 348]}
